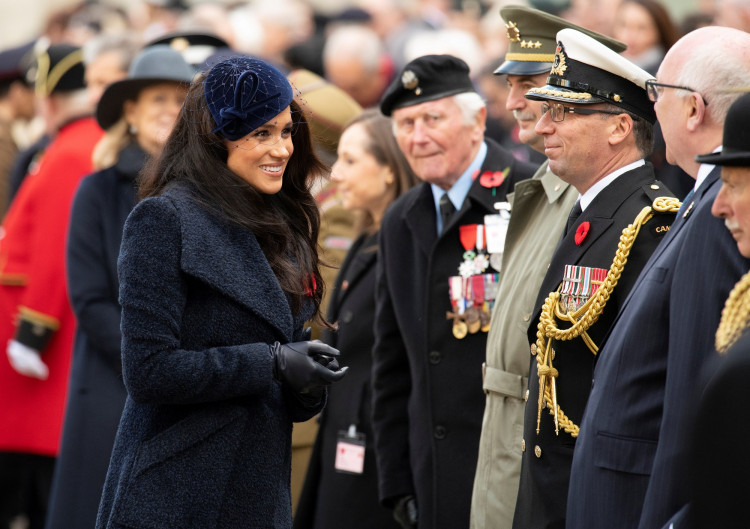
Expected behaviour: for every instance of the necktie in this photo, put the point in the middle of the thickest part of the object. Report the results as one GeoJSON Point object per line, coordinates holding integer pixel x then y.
{"type": "Point", "coordinates": [685, 203]}
{"type": "Point", "coordinates": [446, 209]}
{"type": "Point", "coordinates": [575, 212]}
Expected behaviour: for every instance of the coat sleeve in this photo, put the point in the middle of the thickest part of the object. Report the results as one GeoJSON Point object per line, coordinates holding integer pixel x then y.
{"type": "Point", "coordinates": [153, 295]}
{"type": "Point", "coordinates": [89, 283]}
{"type": "Point", "coordinates": [391, 386]}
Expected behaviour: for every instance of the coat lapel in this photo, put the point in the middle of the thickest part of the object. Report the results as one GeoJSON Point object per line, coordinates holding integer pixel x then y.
{"type": "Point", "coordinates": [244, 274]}
{"type": "Point", "coordinates": [354, 269]}
{"type": "Point", "coordinates": [421, 218]}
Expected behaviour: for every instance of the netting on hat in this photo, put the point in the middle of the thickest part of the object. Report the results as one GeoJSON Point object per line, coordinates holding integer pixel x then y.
{"type": "Point", "coordinates": [248, 101]}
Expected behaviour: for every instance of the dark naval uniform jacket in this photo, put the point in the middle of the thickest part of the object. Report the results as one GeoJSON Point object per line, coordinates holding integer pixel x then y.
{"type": "Point", "coordinates": [427, 384]}
{"type": "Point", "coordinates": [547, 456]}
{"type": "Point", "coordinates": [205, 435]}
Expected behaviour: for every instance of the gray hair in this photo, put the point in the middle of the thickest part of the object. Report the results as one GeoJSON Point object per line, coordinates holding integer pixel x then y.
{"type": "Point", "coordinates": [470, 104]}
{"type": "Point", "coordinates": [354, 41]}
{"type": "Point", "coordinates": [126, 46]}
{"type": "Point", "coordinates": [718, 77]}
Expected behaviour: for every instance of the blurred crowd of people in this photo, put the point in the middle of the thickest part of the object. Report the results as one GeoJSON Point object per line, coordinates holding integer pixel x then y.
{"type": "Point", "coordinates": [417, 434]}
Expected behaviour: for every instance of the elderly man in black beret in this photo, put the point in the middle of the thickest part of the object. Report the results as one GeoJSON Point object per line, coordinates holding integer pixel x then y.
{"type": "Point", "coordinates": [435, 292]}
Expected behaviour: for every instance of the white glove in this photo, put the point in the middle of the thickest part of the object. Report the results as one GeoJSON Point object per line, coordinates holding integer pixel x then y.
{"type": "Point", "coordinates": [26, 361]}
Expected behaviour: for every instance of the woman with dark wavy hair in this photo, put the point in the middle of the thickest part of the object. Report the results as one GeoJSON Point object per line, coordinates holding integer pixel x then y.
{"type": "Point", "coordinates": [218, 273]}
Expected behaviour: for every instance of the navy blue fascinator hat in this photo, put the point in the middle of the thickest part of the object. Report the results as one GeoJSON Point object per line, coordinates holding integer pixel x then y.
{"type": "Point", "coordinates": [244, 93]}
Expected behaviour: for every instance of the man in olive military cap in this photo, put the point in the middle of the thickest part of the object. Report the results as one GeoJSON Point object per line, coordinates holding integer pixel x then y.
{"type": "Point", "coordinates": [435, 290]}
{"type": "Point", "coordinates": [597, 124]}
{"type": "Point", "coordinates": [540, 207]}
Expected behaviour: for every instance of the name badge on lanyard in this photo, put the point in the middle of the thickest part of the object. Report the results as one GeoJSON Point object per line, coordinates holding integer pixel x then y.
{"type": "Point", "coordinates": [350, 451]}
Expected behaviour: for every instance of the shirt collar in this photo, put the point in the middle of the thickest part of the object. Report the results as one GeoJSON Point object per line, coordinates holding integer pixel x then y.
{"type": "Point", "coordinates": [589, 196]}
{"type": "Point", "coordinates": [461, 187]}
{"type": "Point", "coordinates": [704, 170]}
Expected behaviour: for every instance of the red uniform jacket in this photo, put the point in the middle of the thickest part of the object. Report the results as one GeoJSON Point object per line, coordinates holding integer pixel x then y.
{"type": "Point", "coordinates": [34, 306]}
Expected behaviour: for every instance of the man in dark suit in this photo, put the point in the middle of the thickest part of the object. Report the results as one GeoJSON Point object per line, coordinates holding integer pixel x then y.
{"type": "Point", "coordinates": [719, 480]}
{"type": "Point", "coordinates": [597, 125]}
{"type": "Point", "coordinates": [427, 366]}
{"type": "Point", "coordinates": [632, 460]}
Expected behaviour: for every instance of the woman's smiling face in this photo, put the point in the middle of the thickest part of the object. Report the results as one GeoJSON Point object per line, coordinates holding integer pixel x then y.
{"type": "Point", "coordinates": [260, 158]}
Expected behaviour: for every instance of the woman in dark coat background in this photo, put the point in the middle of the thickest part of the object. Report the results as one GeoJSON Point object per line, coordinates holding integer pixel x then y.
{"type": "Point", "coordinates": [218, 273]}
{"type": "Point", "coordinates": [138, 114]}
{"type": "Point", "coordinates": [370, 172]}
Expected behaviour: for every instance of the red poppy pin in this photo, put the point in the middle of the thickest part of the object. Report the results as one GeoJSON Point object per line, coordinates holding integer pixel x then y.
{"type": "Point", "coordinates": [493, 178]}
{"type": "Point", "coordinates": [581, 232]}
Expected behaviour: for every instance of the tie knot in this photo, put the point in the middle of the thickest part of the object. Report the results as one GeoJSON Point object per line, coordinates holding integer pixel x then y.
{"type": "Point", "coordinates": [446, 209]}
{"type": "Point", "coordinates": [446, 206]}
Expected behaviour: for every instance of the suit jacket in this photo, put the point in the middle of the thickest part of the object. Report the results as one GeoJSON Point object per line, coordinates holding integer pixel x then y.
{"type": "Point", "coordinates": [427, 385]}
{"type": "Point", "coordinates": [540, 209]}
{"type": "Point", "coordinates": [719, 478]}
{"type": "Point", "coordinates": [96, 392]}
{"type": "Point", "coordinates": [631, 457]}
{"type": "Point", "coordinates": [331, 498]}
{"type": "Point", "coordinates": [33, 288]}
{"type": "Point", "coordinates": [205, 435]}
{"type": "Point", "coordinates": [547, 456]}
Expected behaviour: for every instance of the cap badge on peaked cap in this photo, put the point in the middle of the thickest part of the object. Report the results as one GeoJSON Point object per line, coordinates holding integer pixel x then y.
{"type": "Point", "coordinates": [514, 35]}
{"type": "Point", "coordinates": [410, 81]}
{"type": "Point", "coordinates": [559, 66]}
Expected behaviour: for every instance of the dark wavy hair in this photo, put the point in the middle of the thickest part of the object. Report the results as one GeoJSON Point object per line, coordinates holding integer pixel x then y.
{"type": "Point", "coordinates": [286, 224]}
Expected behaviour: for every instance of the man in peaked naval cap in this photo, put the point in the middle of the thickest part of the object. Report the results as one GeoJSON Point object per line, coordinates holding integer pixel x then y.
{"type": "Point", "coordinates": [36, 320]}
{"type": "Point", "coordinates": [429, 336]}
{"type": "Point", "coordinates": [597, 125]}
{"type": "Point", "coordinates": [632, 462]}
{"type": "Point", "coordinates": [540, 207]}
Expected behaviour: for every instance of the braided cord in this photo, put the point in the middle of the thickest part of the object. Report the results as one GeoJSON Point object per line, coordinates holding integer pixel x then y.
{"type": "Point", "coordinates": [583, 318]}
{"type": "Point", "coordinates": [735, 316]}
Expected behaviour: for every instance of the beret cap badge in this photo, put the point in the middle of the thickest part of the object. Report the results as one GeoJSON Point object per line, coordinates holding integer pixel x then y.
{"type": "Point", "coordinates": [410, 81]}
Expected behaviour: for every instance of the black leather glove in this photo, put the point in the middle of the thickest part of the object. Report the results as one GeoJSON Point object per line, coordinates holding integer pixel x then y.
{"type": "Point", "coordinates": [405, 511]}
{"type": "Point", "coordinates": [306, 366]}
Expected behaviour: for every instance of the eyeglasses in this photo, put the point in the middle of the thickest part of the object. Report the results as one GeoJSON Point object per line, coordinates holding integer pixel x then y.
{"type": "Point", "coordinates": [654, 90]}
{"type": "Point", "coordinates": [557, 111]}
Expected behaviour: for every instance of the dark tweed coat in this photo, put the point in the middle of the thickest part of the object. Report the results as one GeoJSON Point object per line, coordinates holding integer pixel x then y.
{"type": "Point", "coordinates": [96, 393]}
{"type": "Point", "coordinates": [205, 437]}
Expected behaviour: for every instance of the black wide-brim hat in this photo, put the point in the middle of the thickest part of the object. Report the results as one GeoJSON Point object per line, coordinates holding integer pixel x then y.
{"type": "Point", "coordinates": [587, 72]}
{"type": "Point", "coordinates": [735, 150]}
{"type": "Point", "coordinates": [427, 78]}
{"type": "Point", "coordinates": [532, 40]}
{"type": "Point", "coordinates": [153, 65]}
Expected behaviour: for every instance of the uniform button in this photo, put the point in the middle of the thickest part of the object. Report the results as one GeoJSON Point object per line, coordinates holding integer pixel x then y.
{"type": "Point", "coordinates": [435, 357]}
{"type": "Point", "coordinates": [526, 396]}
{"type": "Point", "coordinates": [347, 316]}
{"type": "Point", "coordinates": [440, 432]}
{"type": "Point", "coordinates": [557, 187]}
{"type": "Point", "coordinates": [526, 317]}
{"type": "Point", "coordinates": [654, 186]}
{"type": "Point", "coordinates": [523, 445]}
{"type": "Point", "coordinates": [533, 349]}
{"type": "Point", "coordinates": [537, 451]}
